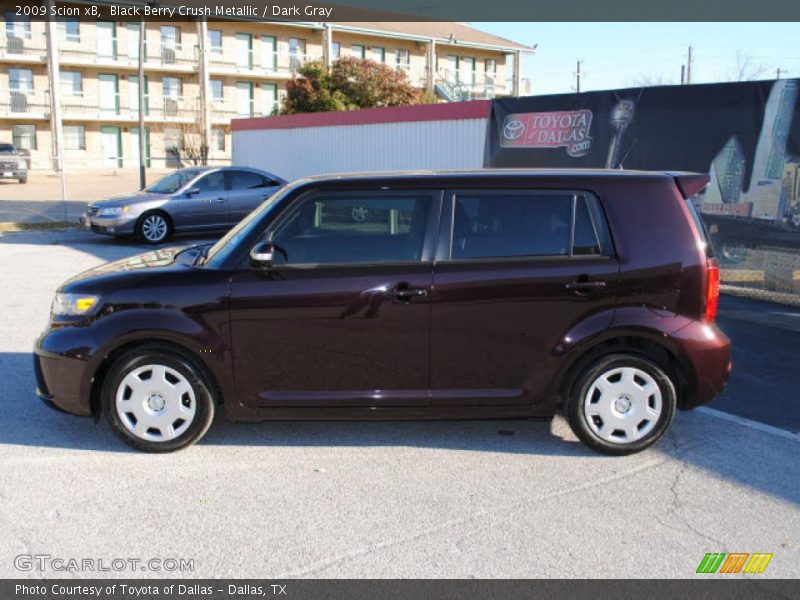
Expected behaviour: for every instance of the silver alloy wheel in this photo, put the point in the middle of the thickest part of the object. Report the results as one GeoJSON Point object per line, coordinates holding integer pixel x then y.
{"type": "Point", "coordinates": [155, 403]}
{"type": "Point", "coordinates": [623, 405]}
{"type": "Point", "coordinates": [154, 228]}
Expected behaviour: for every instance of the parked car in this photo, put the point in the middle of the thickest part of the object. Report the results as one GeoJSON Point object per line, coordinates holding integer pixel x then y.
{"type": "Point", "coordinates": [13, 163]}
{"type": "Point", "coordinates": [487, 294]}
{"type": "Point", "coordinates": [191, 200]}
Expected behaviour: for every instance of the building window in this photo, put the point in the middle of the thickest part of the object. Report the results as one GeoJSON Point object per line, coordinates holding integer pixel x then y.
{"type": "Point", "coordinates": [20, 80]}
{"type": "Point", "coordinates": [71, 83]}
{"type": "Point", "coordinates": [490, 64]}
{"type": "Point", "coordinates": [133, 41]}
{"type": "Point", "coordinates": [218, 139]}
{"type": "Point", "coordinates": [173, 139]}
{"type": "Point", "coordinates": [358, 51]}
{"type": "Point", "coordinates": [69, 29]}
{"type": "Point", "coordinates": [244, 99]}
{"type": "Point", "coordinates": [378, 54]}
{"type": "Point", "coordinates": [172, 87]}
{"type": "Point", "coordinates": [170, 37]}
{"type": "Point", "coordinates": [269, 52]}
{"type": "Point", "coordinates": [74, 137]}
{"type": "Point", "coordinates": [297, 53]}
{"type": "Point", "coordinates": [336, 50]}
{"type": "Point", "coordinates": [215, 41]}
{"type": "Point", "coordinates": [403, 58]}
{"type": "Point", "coordinates": [24, 137]}
{"type": "Point", "coordinates": [217, 93]}
{"type": "Point", "coordinates": [17, 26]}
{"type": "Point", "coordinates": [244, 50]}
{"type": "Point", "coordinates": [269, 98]}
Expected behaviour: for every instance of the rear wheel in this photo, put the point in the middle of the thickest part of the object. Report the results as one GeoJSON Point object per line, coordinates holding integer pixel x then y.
{"type": "Point", "coordinates": [153, 228]}
{"type": "Point", "coordinates": [157, 401]}
{"type": "Point", "coordinates": [621, 404]}
{"type": "Point", "coordinates": [23, 179]}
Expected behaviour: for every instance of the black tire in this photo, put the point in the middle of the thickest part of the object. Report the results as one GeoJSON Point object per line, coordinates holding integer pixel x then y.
{"type": "Point", "coordinates": [23, 180]}
{"type": "Point", "coordinates": [204, 402]}
{"type": "Point", "coordinates": [578, 419]}
{"type": "Point", "coordinates": [142, 224]}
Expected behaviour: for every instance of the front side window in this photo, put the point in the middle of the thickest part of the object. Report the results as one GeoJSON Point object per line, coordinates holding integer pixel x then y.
{"type": "Point", "coordinates": [24, 137]}
{"type": "Point", "coordinates": [213, 182]}
{"type": "Point", "coordinates": [490, 225]}
{"type": "Point", "coordinates": [174, 181]}
{"type": "Point", "coordinates": [354, 229]}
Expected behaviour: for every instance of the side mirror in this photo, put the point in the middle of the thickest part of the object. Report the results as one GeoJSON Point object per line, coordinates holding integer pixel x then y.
{"type": "Point", "coordinates": [262, 254]}
{"type": "Point", "coordinates": [191, 192]}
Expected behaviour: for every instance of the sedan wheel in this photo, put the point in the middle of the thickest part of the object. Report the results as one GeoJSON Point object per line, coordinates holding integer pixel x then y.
{"type": "Point", "coordinates": [157, 400]}
{"type": "Point", "coordinates": [621, 404]}
{"type": "Point", "coordinates": [154, 228]}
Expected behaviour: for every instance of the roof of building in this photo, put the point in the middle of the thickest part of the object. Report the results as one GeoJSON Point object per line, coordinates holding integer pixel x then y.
{"type": "Point", "coordinates": [441, 31]}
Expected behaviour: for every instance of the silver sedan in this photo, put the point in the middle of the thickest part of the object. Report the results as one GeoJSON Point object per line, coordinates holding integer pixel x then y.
{"type": "Point", "coordinates": [191, 200]}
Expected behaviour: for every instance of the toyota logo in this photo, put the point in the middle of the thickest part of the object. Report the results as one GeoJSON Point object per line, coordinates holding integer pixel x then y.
{"type": "Point", "coordinates": [513, 129]}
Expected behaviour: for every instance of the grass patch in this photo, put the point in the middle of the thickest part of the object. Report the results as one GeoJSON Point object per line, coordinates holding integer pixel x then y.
{"type": "Point", "coordinates": [6, 227]}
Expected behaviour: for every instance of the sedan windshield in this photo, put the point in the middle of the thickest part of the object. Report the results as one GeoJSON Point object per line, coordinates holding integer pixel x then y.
{"type": "Point", "coordinates": [174, 181]}
{"type": "Point", "coordinates": [7, 149]}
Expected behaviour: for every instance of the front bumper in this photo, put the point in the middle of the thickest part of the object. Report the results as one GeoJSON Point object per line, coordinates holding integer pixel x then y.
{"type": "Point", "coordinates": [109, 225]}
{"type": "Point", "coordinates": [63, 379]}
{"type": "Point", "coordinates": [13, 174]}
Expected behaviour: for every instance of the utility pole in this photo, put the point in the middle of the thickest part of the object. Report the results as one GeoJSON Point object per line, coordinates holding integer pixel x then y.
{"type": "Point", "coordinates": [142, 150]}
{"type": "Point", "coordinates": [56, 125]}
{"type": "Point", "coordinates": [683, 74]}
{"type": "Point", "coordinates": [778, 73]}
{"type": "Point", "coordinates": [689, 66]}
{"type": "Point", "coordinates": [578, 77]}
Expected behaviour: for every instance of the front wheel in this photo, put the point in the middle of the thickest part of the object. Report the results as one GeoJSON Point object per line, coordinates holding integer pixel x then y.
{"type": "Point", "coordinates": [621, 404]}
{"type": "Point", "coordinates": [157, 401]}
{"type": "Point", "coordinates": [153, 228]}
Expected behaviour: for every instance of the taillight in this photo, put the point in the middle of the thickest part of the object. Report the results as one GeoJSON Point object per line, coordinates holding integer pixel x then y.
{"type": "Point", "coordinates": [712, 289]}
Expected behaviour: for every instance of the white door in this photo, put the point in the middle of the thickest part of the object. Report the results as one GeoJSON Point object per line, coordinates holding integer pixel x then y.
{"type": "Point", "coordinates": [244, 51]}
{"type": "Point", "coordinates": [467, 71]}
{"type": "Point", "coordinates": [133, 41]}
{"type": "Point", "coordinates": [269, 52]}
{"type": "Point", "coordinates": [133, 151]}
{"type": "Point", "coordinates": [106, 42]}
{"type": "Point", "coordinates": [109, 100]}
{"type": "Point", "coordinates": [111, 147]}
{"type": "Point", "coordinates": [244, 99]}
{"type": "Point", "coordinates": [269, 97]}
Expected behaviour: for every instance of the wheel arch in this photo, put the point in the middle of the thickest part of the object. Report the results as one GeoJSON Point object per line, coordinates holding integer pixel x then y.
{"type": "Point", "coordinates": [155, 211]}
{"type": "Point", "coordinates": [649, 344]}
{"type": "Point", "coordinates": [167, 345]}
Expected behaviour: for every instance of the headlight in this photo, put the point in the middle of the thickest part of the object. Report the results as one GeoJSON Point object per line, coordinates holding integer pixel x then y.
{"type": "Point", "coordinates": [113, 211]}
{"type": "Point", "coordinates": [73, 304]}
{"type": "Point", "coordinates": [21, 164]}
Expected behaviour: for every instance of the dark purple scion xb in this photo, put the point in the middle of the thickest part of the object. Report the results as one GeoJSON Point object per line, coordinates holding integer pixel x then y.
{"type": "Point", "coordinates": [422, 295]}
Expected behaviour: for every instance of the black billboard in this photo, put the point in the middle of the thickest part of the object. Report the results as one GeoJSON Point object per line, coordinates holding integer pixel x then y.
{"type": "Point", "coordinates": [746, 136]}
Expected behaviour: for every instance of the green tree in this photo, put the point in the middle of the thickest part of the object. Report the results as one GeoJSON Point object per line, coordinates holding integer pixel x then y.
{"type": "Point", "coordinates": [351, 83]}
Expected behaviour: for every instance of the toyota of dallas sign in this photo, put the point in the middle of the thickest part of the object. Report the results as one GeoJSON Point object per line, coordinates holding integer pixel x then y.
{"type": "Point", "coordinates": [569, 129]}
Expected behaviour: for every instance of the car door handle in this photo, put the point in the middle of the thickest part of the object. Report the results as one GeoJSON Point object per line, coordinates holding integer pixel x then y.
{"type": "Point", "coordinates": [220, 199]}
{"type": "Point", "coordinates": [405, 292]}
{"type": "Point", "coordinates": [584, 287]}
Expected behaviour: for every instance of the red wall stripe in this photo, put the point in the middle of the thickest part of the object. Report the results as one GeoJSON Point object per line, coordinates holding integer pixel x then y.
{"type": "Point", "coordinates": [451, 111]}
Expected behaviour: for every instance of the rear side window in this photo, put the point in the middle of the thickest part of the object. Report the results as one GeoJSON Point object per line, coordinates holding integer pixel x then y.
{"type": "Point", "coordinates": [245, 180]}
{"type": "Point", "coordinates": [488, 225]}
{"type": "Point", "coordinates": [701, 227]}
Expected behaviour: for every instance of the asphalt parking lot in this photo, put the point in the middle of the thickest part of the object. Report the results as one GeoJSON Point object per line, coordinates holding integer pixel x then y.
{"type": "Point", "coordinates": [447, 499]}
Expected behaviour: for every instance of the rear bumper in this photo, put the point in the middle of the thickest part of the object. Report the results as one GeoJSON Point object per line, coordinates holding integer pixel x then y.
{"type": "Point", "coordinates": [707, 352]}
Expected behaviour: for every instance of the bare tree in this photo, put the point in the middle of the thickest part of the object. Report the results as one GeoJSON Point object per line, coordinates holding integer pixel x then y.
{"type": "Point", "coordinates": [192, 147]}
{"type": "Point", "coordinates": [652, 80]}
{"type": "Point", "coordinates": [746, 69]}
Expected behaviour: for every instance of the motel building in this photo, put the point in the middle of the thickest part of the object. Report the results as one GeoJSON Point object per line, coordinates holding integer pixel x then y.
{"type": "Point", "coordinates": [200, 75]}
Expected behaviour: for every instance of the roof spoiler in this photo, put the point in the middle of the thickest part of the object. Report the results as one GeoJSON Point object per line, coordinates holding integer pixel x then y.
{"type": "Point", "coordinates": [690, 184]}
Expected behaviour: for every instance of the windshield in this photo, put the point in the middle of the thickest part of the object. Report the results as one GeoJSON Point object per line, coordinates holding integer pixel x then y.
{"type": "Point", "coordinates": [220, 251]}
{"type": "Point", "coordinates": [173, 182]}
{"type": "Point", "coordinates": [7, 148]}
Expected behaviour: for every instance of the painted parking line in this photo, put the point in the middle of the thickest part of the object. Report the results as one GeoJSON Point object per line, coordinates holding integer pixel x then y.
{"type": "Point", "coordinates": [763, 427]}
{"type": "Point", "coordinates": [744, 275]}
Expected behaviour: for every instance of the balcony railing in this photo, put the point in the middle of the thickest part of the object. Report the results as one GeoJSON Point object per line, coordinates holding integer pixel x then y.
{"type": "Point", "coordinates": [455, 86]}
{"type": "Point", "coordinates": [118, 107]}
{"type": "Point", "coordinates": [20, 45]}
{"type": "Point", "coordinates": [169, 56]}
{"type": "Point", "coordinates": [264, 63]}
{"type": "Point", "coordinates": [18, 103]}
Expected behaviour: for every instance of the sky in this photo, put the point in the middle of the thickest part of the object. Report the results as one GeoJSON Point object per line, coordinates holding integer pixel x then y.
{"type": "Point", "coordinates": [617, 55]}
